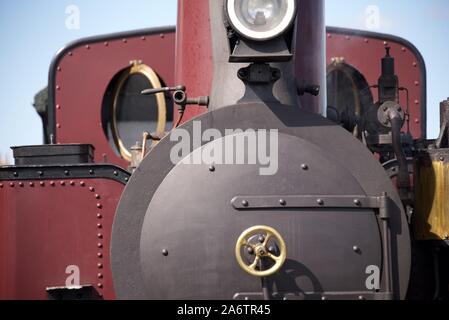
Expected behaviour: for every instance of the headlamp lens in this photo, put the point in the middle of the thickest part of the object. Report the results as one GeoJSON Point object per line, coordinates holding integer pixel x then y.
{"type": "Point", "coordinates": [261, 19]}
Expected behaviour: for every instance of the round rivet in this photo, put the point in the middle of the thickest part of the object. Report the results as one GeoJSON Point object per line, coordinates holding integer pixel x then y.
{"type": "Point", "coordinates": [441, 158]}
{"type": "Point", "coordinates": [261, 239]}
{"type": "Point", "coordinates": [385, 43]}
{"type": "Point", "coordinates": [99, 206]}
{"type": "Point", "coordinates": [11, 184]}
{"type": "Point", "coordinates": [42, 183]}
{"type": "Point", "coordinates": [403, 49]}
{"type": "Point", "coordinates": [99, 255]}
{"type": "Point", "coordinates": [59, 69]}
{"type": "Point", "coordinates": [361, 298]}
{"type": "Point", "coordinates": [165, 252]}
{"type": "Point", "coordinates": [125, 41]}
{"type": "Point", "coordinates": [58, 88]}
{"type": "Point", "coordinates": [320, 202]}
{"type": "Point", "coordinates": [1, 185]}
{"type": "Point", "coordinates": [100, 276]}
{"type": "Point", "coordinates": [211, 168]}
{"type": "Point", "coordinates": [70, 54]}
{"type": "Point", "coordinates": [323, 298]}
{"type": "Point", "coordinates": [142, 38]}
{"type": "Point", "coordinates": [15, 174]}
{"type": "Point", "coordinates": [58, 126]}
{"type": "Point", "coordinates": [82, 184]}
{"type": "Point", "coordinates": [100, 285]}
{"type": "Point", "coordinates": [91, 189]}
{"type": "Point", "coordinates": [366, 40]}
{"type": "Point", "coordinates": [31, 184]}
{"type": "Point", "coordinates": [416, 102]}
{"type": "Point", "coordinates": [285, 298]}
{"type": "Point", "coordinates": [416, 83]}
{"type": "Point", "coordinates": [99, 236]}
{"type": "Point", "coordinates": [304, 167]}
{"type": "Point", "coordinates": [329, 35]}
{"type": "Point", "coordinates": [250, 250]}
{"type": "Point", "coordinates": [100, 246]}
{"type": "Point", "coordinates": [58, 107]}
{"type": "Point", "coordinates": [52, 183]}
{"type": "Point", "coordinates": [115, 173]}
{"type": "Point", "coordinates": [67, 172]}
{"type": "Point", "coordinates": [99, 225]}
{"type": "Point", "coordinates": [415, 64]}
{"type": "Point", "coordinates": [91, 171]}
{"type": "Point", "coordinates": [416, 120]}
{"type": "Point", "coordinates": [40, 173]}
{"type": "Point", "coordinates": [87, 47]}
{"type": "Point", "coordinates": [355, 248]}
{"type": "Point", "coordinates": [20, 184]}
{"type": "Point", "coordinates": [162, 35]}
{"type": "Point", "coordinates": [72, 183]}
{"type": "Point", "coordinates": [357, 202]}
{"type": "Point", "coordinates": [245, 203]}
{"type": "Point", "coordinates": [100, 266]}
{"type": "Point", "coordinates": [106, 43]}
{"type": "Point", "coordinates": [99, 216]}
{"type": "Point", "coordinates": [282, 202]}
{"type": "Point", "coordinates": [62, 183]}
{"type": "Point", "coordinates": [97, 196]}
{"type": "Point", "coordinates": [126, 179]}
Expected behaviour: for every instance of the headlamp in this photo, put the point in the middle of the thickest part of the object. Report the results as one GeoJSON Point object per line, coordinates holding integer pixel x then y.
{"type": "Point", "coordinates": [261, 20]}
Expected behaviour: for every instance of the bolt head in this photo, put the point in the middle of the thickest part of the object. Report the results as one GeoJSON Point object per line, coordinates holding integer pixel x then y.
{"type": "Point", "coordinates": [165, 252]}
{"type": "Point", "coordinates": [250, 250]}
{"type": "Point", "coordinates": [320, 202]}
{"type": "Point", "coordinates": [282, 202]}
{"type": "Point", "coordinates": [304, 167]}
{"type": "Point", "coordinates": [212, 169]}
{"type": "Point", "coordinates": [357, 202]}
{"type": "Point", "coordinates": [261, 239]}
{"type": "Point", "coordinates": [245, 203]}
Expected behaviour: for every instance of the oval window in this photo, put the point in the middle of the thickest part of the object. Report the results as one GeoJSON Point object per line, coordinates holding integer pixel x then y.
{"type": "Point", "coordinates": [128, 114]}
{"type": "Point", "coordinates": [347, 89]}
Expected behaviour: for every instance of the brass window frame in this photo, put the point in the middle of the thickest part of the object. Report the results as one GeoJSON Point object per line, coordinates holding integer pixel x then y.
{"type": "Point", "coordinates": [137, 67]}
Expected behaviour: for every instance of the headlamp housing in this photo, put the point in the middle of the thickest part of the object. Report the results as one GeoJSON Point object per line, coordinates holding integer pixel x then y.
{"type": "Point", "coordinates": [261, 20]}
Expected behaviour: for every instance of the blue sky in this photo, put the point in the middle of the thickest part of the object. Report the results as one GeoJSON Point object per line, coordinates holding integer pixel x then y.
{"type": "Point", "coordinates": [32, 31]}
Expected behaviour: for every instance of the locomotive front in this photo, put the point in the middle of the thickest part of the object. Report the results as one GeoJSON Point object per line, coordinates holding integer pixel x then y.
{"type": "Point", "coordinates": [261, 197]}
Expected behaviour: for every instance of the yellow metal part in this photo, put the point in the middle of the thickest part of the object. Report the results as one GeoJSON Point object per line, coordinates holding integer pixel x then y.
{"type": "Point", "coordinates": [431, 220]}
{"type": "Point", "coordinates": [260, 251]}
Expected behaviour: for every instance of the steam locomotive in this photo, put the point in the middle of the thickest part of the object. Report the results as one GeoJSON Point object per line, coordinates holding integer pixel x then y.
{"type": "Point", "coordinates": [249, 154]}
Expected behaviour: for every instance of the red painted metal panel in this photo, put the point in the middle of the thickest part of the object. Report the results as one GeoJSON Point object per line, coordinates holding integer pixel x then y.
{"type": "Point", "coordinates": [45, 228]}
{"type": "Point", "coordinates": [194, 61]}
{"type": "Point", "coordinates": [82, 78]}
{"type": "Point", "coordinates": [365, 54]}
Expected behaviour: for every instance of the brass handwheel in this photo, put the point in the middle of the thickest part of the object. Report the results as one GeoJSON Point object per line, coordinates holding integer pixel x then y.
{"type": "Point", "coordinates": [260, 251]}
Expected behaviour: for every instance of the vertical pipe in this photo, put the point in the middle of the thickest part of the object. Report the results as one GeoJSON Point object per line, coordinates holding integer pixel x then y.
{"type": "Point", "coordinates": [310, 54]}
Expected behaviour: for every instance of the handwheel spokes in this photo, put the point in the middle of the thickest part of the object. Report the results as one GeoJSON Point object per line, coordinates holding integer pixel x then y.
{"type": "Point", "coordinates": [273, 257]}
{"type": "Point", "coordinates": [267, 238]}
{"type": "Point", "coordinates": [255, 263]}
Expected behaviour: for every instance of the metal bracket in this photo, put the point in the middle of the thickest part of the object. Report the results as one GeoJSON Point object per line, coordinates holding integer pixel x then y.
{"type": "Point", "coordinates": [259, 73]}
{"type": "Point", "coordinates": [276, 202]}
{"type": "Point", "coordinates": [316, 296]}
